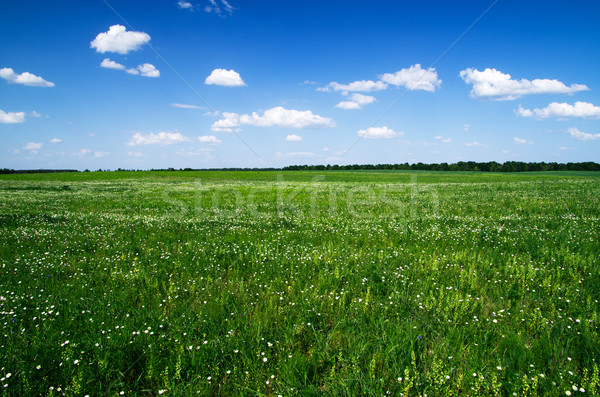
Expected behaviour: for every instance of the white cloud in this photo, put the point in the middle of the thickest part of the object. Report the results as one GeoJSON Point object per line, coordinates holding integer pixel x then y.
{"type": "Point", "coordinates": [184, 106]}
{"type": "Point", "coordinates": [466, 127]}
{"type": "Point", "coordinates": [348, 105]}
{"type": "Point", "coordinates": [555, 109]}
{"type": "Point", "coordinates": [582, 136]}
{"type": "Point", "coordinates": [84, 152]}
{"type": "Point", "coordinates": [520, 141]}
{"type": "Point", "coordinates": [414, 78]}
{"type": "Point", "coordinates": [148, 70]}
{"type": "Point", "coordinates": [523, 112]}
{"type": "Point", "coordinates": [33, 147]}
{"type": "Point", "coordinates": [476, 144]}
{"type": "Point", "coordinates": [378, 133]}
{"type": "Point", "coordinates": [356, 101]}
{"type": "Point", "coordinates": [362, 85]}
{"type": "Point", "coordinates": [277, 116]}
{"type": "Point", "coordinates": [160, 138]}
{"type": "Point", "coordinates": [25, 78]}
{"type": "Point", "coordinates": [135, 154]}
{"type": "Point", "coordinates": [108, 64]}
{"type": "Point", "coordinates": [497, 86]}
{"type": "Point", "coordinates": [98, 155]}
{"type": "Point", "coordinates": [442, 139]}
{"type": "Point", "coordinates": [221, 8]}
{"type": "Point", "coordinates": [227, 78]}
{"type": "Point", "coordinates": [293, 138]}
{"type": "Point", "coordinates": [210, 139]}
{"type": "Point", "coordinates": [185, 4]}
{"type": "Point", "coordinates": [11, 117]}
{"type": "Point", "coordinates": [55, 140]}
{"type": "Point", "coordinates": [118, 40]}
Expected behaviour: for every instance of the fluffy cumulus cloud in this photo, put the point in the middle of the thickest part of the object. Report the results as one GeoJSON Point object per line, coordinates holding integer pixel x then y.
{"type": "Point", "coordinates": [24, 78]}
{"type": "Point", "coordinates": [521, 141]}
{"type": "Point", "coordinates": [356, 101]}
{"type": "Point", "coordinates": [33, 147]}
{"type": "Point", "coordinates": [186, 5]}
{"type": "Point", "coordinates": [210, 139]}
{"type": "Point", "coordinates": [55, 140]}
{"type": "Point", "coordinates": [227, 78]}
{"type": "Point", "coordinates": [160, 138]}
{"type": "Point", "coordinates": [362, 85]}
{"type": "Point", "coordinates": [414, 78]}
{"type": "Point", "coordinates": [277, 116]}
{"type": "Point", "coordinates": [108, 64]}
{"type": "Point", "coordinates": [12, 117]}
{"type": "Point", "coordinates": [293, 138]}
{"type": "Point", "coordinates": [118, 39]}
{"type": "Point", "coordinates": [582, 136]}
{"type": "Point", "coordinates": [494, 85]}
{"type": "Point", "coordinates": [442, 139]}
{"type": "Point", "coordinates": [146, 69]}
{"type": "Point", "coordinates": [555, 109]}
{"type": "Point", "coordinates": [379, 133]}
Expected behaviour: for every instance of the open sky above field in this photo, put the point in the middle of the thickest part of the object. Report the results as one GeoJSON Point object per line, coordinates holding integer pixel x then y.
{"type": "Point", "coordinates": [216, 83]}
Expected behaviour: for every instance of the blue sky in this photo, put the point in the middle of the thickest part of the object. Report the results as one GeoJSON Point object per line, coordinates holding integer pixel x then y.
{"type": "Point", "coordinates": [215, 83]}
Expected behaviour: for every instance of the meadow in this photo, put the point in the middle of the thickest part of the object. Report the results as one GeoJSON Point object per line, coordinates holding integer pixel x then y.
{"type": "Point", "coordinates": [300, 283]}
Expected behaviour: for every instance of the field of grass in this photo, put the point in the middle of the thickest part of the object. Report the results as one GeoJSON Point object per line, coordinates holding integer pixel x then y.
{"type": "Point", "coordinates": [299, 283]}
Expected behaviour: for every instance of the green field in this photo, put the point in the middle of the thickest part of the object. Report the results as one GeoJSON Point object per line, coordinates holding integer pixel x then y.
{"type": "Point", "coordinates": [300, 283]}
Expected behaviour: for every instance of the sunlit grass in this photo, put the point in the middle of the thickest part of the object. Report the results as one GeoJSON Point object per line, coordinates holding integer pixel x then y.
{"type": "Point", "coordinates": [299, 283]}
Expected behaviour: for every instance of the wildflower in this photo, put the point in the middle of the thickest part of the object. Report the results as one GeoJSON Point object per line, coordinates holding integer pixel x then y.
{"type": "Point", "coordinates": [265, 359]}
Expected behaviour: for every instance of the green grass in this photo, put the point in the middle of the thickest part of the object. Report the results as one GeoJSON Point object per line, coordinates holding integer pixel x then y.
{"type": "Point", "coordinates": [299, 283]}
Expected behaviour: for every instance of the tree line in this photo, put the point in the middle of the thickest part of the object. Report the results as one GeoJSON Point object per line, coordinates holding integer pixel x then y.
{"type": "Point", "coordinates": [490, 166]}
